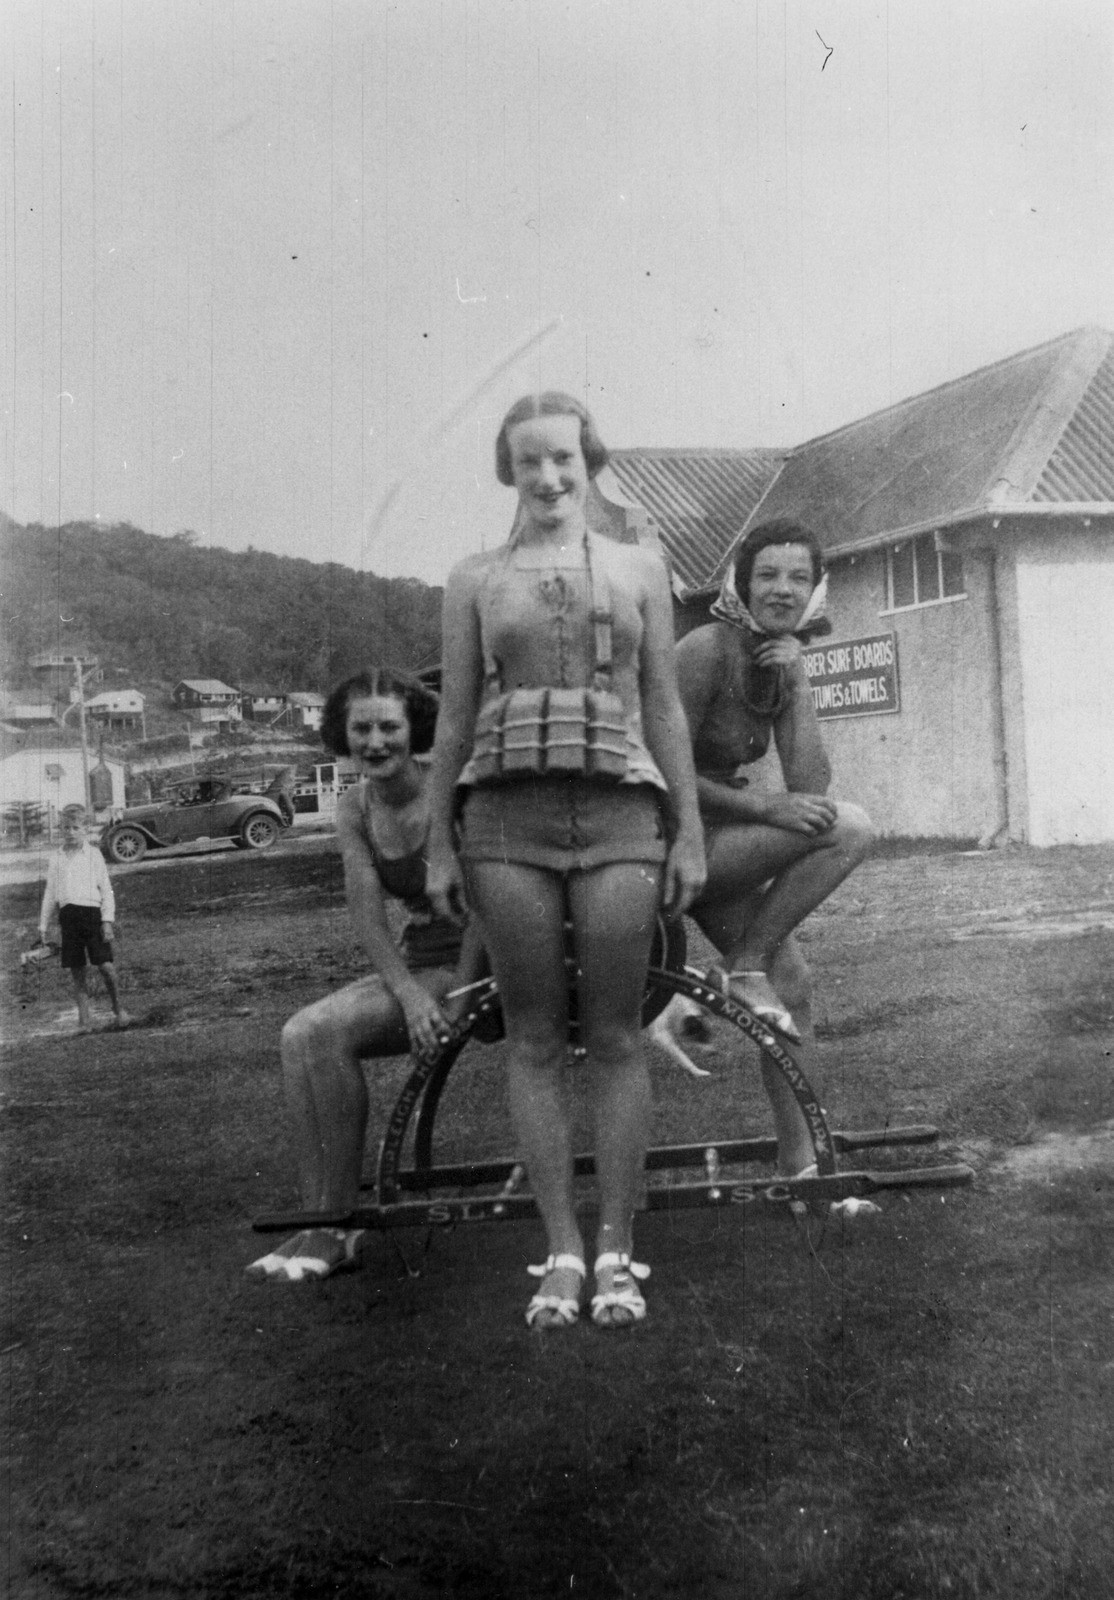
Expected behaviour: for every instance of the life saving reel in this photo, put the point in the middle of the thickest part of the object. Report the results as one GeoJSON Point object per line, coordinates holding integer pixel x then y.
{"type": "Point", "coordinates": [423, 1194]}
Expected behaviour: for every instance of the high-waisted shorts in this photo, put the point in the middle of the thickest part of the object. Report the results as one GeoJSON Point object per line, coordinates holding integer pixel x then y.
{"type": "Point", "coordinates": [563, 824]}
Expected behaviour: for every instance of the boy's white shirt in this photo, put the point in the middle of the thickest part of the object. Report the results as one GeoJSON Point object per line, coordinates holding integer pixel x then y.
{"type": "Point", "coordinates": [77, 878]}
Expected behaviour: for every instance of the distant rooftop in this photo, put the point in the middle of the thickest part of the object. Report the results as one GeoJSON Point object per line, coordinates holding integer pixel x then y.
{"type": "Point", "coordinates": [207, 686]}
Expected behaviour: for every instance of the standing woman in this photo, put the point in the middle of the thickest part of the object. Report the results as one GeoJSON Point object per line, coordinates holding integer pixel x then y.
{"type": "Point", "coordinates": [562, 745]}
{"type": "Point", "coordinates": [383, 720]}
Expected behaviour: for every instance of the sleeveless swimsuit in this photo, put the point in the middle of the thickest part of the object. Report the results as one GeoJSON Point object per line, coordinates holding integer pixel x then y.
{"type": "Point", "coordinates": [536, 627]}
{"type": "Point", "coordinates": [427, 940]}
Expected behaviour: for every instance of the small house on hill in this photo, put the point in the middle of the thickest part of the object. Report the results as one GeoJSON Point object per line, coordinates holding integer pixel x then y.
{"type": "Point", "coordinates": [306, 709]}
{"type": "Point", "coordinates": [207, 700]}
{"type": "Point", "coordinates": [969, 535]}
{"type": "Point", "coordinates": [262, 705]}
{"type": "Point", "coordinates": [20, 712]}
{"type": "Point", "coordinates": [117, 708]}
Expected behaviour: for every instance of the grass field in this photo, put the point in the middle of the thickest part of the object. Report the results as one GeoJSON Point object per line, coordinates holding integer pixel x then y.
{"type": "Point", "coordinates": [913, 1408]}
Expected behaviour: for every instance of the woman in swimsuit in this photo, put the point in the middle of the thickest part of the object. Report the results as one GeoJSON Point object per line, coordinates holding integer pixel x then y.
{"type": "Point", "coordinates": [772, 857]}
{"type": "Point", "coordinates": [383, 720]}
{"type": "Point", "coordinates": [558, 609]}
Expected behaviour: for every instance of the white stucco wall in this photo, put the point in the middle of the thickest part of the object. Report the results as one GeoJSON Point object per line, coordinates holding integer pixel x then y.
{"type": "Point", "coordinates": [1065, 608]}
{"type": "Point", "coordinates": [24, 777]}
{"type": "Point", "coordinates": [926, 770]}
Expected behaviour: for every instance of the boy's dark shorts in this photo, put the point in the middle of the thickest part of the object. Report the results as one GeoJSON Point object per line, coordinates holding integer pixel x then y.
{"type": "Point", "coordinates": [83, 935]}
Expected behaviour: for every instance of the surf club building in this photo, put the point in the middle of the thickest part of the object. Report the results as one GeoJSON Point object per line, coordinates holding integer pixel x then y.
{"type": "Point", "coordinates": [969, 533]}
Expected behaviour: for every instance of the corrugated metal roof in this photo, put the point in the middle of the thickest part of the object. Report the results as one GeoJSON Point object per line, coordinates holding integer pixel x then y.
{"type": "Point", "coordinates": [1035, 428]}
{"type": "Point", "coordinates": [698, 500]}
{"type": "Point", "coordinates": [976, 441]}
{"type": "Point", "coordinates": [1081, 467]}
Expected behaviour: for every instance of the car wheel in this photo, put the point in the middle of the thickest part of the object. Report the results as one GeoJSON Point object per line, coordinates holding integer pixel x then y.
{"type": "Point", "coordinates": [258, 831]}
{"type": "Point", "coordinates": [126, 845]}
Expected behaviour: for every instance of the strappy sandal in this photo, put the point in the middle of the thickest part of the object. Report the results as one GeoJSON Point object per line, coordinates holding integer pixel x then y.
{"type": "Point", "coordinates": [624, 1294]}
{"type": "Point", "coordinates": [772, 1013]}
{"type": "Point", "coordinates": [302, 1264]}
{"type": "Point", "coordinates": [559, 1310]}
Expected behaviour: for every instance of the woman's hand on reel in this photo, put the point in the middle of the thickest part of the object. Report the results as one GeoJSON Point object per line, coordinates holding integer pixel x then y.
{"type": "Point", "coordinates": [444, 885]}
{"type": "Point", "coordinates": [684, 876]}
{"type": "Point", "coordinates": [426, 1024]}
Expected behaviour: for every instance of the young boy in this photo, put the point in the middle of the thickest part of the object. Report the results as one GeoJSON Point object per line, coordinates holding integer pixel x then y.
{"type": "Point", "coordinates": [77, 884]}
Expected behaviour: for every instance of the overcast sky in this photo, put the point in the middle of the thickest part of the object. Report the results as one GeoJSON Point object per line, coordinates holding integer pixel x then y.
{"type": "Point", "coordinates": [258, 253]}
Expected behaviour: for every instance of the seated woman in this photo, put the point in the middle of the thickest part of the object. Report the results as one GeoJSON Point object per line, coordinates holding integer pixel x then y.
{"type": "Point", "coordinates": [562, 741]}
{"type": "Point", "coordinates": [772, 857]}
{"type": "Point", "coordinates": [383, 720]}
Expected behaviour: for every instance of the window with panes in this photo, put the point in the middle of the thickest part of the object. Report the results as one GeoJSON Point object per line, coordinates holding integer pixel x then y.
{"type": "Point", "coordinates": [918, 573]}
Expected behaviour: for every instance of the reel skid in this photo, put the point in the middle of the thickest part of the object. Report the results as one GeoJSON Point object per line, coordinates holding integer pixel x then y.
{"type": "Point", "coordinates": [423, 1194]}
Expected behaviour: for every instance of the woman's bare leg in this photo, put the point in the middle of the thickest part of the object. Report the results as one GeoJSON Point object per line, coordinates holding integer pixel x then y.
{"type": "Point", "coordinates": [326, 1095]}
{"type": "Point", "coordinates": [801, 870]}
{"type": "Point", "coordinates": [327, 1104]}
{"type": "Point", "coordinates": [734, 905]}
{"type": "Point", "coordinates": [613, 912]}
{"type": "Point", "coordinates": [521, 911]}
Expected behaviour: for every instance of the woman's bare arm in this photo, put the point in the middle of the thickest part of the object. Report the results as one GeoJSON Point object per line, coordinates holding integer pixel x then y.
{"type": "Point", "coordinates": [667, 738]}
{"type": "Point", "coordinates": [461, 686]}
{"type": "Point", "coordinates": [800, 746]}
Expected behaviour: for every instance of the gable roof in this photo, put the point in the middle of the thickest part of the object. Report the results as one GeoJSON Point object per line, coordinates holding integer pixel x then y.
{"type": "Point", "coordinates": [1081, 467]}
{"type": "Point", "coordinates": [206, 686]}
{"type": "Point", "coordinates": [979, 443]}
{"type": "Point", "coordinates": [698, 500]}
{"type": "Point", "coordinates": [1033, 433]}
{"type": "Point", "coordinates": [108, 697]}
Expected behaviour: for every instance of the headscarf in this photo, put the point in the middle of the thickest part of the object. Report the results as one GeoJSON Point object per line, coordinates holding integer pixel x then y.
{"type": "Point", "coordinates": [767, 693]}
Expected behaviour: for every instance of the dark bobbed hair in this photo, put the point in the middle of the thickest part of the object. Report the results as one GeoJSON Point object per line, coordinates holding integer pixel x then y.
{"type": "Point", "coordinates": [779, 530]}
{"type": "Point", "coordinates": [419, 703]}
{"type": "Point", "coordinates": [550, 403]}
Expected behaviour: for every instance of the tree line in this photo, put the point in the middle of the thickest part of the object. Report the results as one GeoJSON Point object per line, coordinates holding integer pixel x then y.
{"type": "Point", "coordinates": [163, 609]}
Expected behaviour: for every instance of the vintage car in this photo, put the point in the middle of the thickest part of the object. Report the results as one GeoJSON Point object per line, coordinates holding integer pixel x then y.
{"type": "Point", "coordinates": [201, 808]}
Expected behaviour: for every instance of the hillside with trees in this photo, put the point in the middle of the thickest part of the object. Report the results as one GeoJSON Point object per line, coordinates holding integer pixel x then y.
{"type": "Point", "coordinates": [162, 609]}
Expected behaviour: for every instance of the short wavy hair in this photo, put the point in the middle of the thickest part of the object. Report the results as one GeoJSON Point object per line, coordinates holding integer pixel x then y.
{"type": "Point", "coordinates": [550, 403]}
{"type": "Point", "coordinates": [779, 530]}
{"type": "Point", "coordinates": [420, 704]}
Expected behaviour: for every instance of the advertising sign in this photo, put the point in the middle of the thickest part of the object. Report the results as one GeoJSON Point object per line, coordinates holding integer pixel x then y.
{"type": "Point", "coordinates": [857, 678]}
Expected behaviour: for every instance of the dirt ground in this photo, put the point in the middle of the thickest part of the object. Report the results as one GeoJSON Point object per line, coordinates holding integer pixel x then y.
{"type": "Point", "coordinates": [919, 1407]}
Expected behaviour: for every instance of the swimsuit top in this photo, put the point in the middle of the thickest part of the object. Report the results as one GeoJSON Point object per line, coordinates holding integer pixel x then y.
{"type": "Point", "coordinates": [427, 940]}
{"type": "Point", "coordinates": [736, 730]}
{"type": "Point", "coordinates": [537, 631]}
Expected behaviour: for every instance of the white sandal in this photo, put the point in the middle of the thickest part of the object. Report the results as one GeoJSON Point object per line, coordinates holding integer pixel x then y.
{"type": "Point", "coordinates": [774, 1014]}
{"type": "Point", "coordinates": [561, 1310]}
{"type": "Point", "coordinates": [624, 1294]}
{"type": "Point", "coordinates": [294, 1268]}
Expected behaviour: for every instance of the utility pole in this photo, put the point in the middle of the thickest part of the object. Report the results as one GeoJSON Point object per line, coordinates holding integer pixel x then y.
{"type": "Point", "coordinates": [53, 661]}
{"type": "Point", "coordinates": [80, 680]}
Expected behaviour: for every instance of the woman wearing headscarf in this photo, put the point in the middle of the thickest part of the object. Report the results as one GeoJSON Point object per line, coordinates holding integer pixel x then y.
{"type": "Point", "coordinates": [772, 857]}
